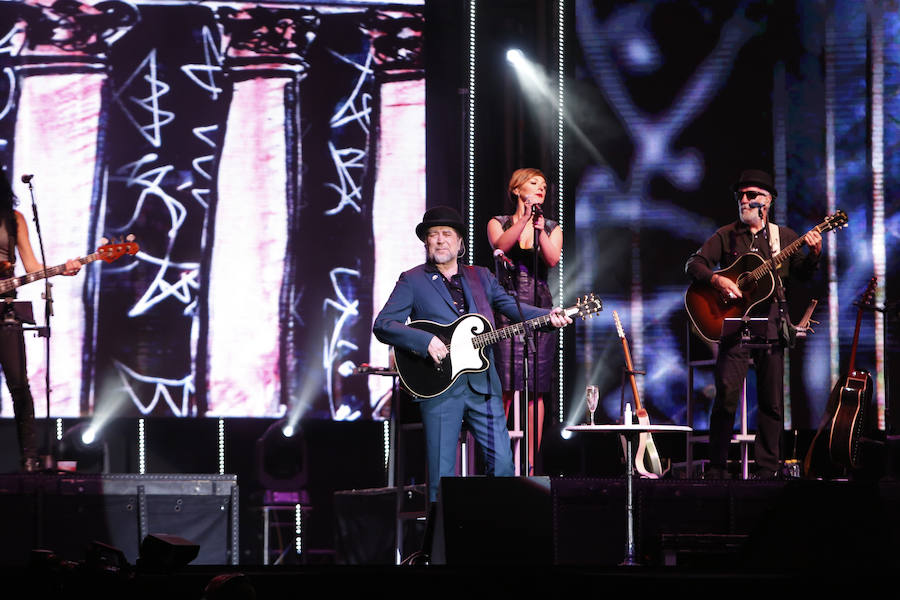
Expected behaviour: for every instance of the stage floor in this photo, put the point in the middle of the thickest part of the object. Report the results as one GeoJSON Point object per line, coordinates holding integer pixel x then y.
{"type": "Point", "coordinates": [412, 582]}
{"type": "Point", "coordinates": [571, 530]}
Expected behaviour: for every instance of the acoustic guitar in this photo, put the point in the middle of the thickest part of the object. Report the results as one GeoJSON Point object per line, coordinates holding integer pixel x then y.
{"type": "Point", "coordinates": [646, 461]}
{"type": "Point", "coordinates": [467, 338]}
{"type": "Point", "coordinates": [755, 277]}
{"type": "Point", "coordinates": [835, 447]}
{"type": "Point", "coordinates": [852, 400]}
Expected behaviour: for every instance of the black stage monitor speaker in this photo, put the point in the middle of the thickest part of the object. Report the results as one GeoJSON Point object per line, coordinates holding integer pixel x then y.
{"type": "Point", "coordinates": [164, 552]}
{"type": "Point", "coordinates": [494, 520]}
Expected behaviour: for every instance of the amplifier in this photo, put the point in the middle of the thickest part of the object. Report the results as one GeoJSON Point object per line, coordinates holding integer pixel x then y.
{"type": "Point", "coordinates": [64, 513]}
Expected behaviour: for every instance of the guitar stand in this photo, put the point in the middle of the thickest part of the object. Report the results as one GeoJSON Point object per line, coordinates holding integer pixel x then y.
{"type": "Point", "coordinates": [626, 440]}
{"type": "Point", "coordinates": [626, 372]}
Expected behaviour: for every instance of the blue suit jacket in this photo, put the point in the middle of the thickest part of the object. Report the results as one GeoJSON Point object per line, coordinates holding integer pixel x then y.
{"type": "Point", "coordinates": [421, 293]}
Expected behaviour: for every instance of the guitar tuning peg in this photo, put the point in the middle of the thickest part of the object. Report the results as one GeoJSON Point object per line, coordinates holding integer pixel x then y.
{"type": "Point", "coordinates": [103, 241]}
{"type": "Point", "coordinates": [129, 237]}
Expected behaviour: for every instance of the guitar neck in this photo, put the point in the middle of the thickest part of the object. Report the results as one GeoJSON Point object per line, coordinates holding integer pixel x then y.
{"type": "Point", "coordinates": [505, 333]}
{"type": "Point", "coordinates": [14, 282]}
{"type": "Point", "coordinates": [855, 341]}
{"type": "Point", "coordinates": [630, 367]}
{"type": "Point", "coordinates": [774, 262]}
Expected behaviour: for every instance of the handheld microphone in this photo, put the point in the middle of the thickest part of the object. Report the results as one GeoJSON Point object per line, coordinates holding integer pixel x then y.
{"type": "Point", "coordinates": [535, 207]}
{"type": "Point", "coordinates": [26, 178]}
{"type": "Point", "coordinates": [502, 259]}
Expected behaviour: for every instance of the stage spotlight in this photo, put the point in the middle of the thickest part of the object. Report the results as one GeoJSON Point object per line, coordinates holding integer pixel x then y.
{"type": "Point", "coordinates": [515, 56]}
{"type": "Point", "coordinates": [89, 436]}
{"type": "Point", "coordinates": [566, 435]}
{"type": "Point", "coordinates": [83, 445]}
{"type": "Point", "coordinates": [281, 462]}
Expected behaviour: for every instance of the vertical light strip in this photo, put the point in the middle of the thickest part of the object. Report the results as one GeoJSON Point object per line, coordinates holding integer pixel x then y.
{"type": "Point", "coordinates": [879, 259]}
{"type": "Point", "coordinates": [386, 432]}
{"type": "Point", "coordinates": [470, 151]}
{"type": "Point", "coordinates": [59, 429]}
{"type": "Point", "coordinates": [221, 446]}
{"type": "Point", "coordinates": [830, 194]}
{"type": "Point", "coordinates": [560, 162]}
{"type": "Point", "coordinates": [779, 118]}
{"type": "Point", "coordinates": [298, 529]}
{"type": "Point", "coordinates": [142, 449]}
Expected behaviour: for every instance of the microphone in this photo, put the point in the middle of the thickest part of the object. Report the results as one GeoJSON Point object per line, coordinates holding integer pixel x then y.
{"type": "Point", "coordinates": [502, 259]}
{"type": "Point", "coordinates": [26, 178]}
{"type": "Point", "coordinates": [756, 205]}
{"type": "Point", "coordinates": [535, 208]}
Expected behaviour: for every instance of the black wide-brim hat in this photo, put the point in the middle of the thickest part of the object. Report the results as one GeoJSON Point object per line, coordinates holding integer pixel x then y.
{"type": "Point", "coordinates": [440, 216]}
{"type": "Point", "coordinates": [755, 177]}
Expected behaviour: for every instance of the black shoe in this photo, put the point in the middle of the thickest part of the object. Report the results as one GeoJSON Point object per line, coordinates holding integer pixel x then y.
{"type": "Point", "coordinates": [716, 472]}
{"type": "Point", "coordinates": [765, 475]}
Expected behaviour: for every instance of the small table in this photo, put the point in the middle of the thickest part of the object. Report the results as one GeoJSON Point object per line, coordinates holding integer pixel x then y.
{"type": "Point", "coordinates": [629, 432]}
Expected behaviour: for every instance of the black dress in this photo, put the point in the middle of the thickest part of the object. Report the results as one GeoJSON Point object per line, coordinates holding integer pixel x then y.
{"type": "Point", "coordinates": [508, 353]}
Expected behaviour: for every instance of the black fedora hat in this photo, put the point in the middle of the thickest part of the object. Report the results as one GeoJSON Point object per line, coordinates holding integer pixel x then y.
{"type": "Point", "coordinates": [440, 216]}
{"type": "Point", "coordinates": [757, 178]}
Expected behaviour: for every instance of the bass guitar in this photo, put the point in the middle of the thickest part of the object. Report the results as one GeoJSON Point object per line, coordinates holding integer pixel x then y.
{"type": "Point", "coordinates": [107, 253]}
{"type": "Point", "coordinates": [835, 447]}
{"type": "Point", "coordinates": [467, 338]}
{"type": "Point", "coordinates": [646, 461]}
{"type": "Point", "coordinates": [755, 277]}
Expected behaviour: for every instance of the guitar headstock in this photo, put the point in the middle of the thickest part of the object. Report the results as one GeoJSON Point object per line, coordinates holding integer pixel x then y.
{"type": "Point", "coordinates": [588, 305]}
{"type": "Point", "coordinates": [868, 296]}
{"type": "Point", "coordinates": [836, 221]}
{"type": "Point", "coordinates": [619, 329]}
{"type": "Point", "coordinates": [114, 251]}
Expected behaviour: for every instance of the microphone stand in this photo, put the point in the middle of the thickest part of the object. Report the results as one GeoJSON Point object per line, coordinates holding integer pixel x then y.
{"type": "Point", "coordinates": [529, 349]}
{"type": "Point", "coordinates": [535, 212]}
{"type": "Point", "coordinates": [891, 312]}
{"type": "Point", "coordinates": [49, 460]}
{"type": "Point", "coordinates": [779, 287]}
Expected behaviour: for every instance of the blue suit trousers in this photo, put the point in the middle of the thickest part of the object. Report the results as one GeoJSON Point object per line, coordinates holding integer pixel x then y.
{"type": "Point", "coordinates": [442, 418]}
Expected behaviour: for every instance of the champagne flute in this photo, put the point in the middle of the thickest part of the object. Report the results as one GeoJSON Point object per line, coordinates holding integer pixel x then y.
{"type": "Point", "coordinates": [591, 396]}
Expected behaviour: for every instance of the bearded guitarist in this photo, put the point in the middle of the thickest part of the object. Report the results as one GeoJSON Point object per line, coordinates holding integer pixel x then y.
{"type": "Point", "coordinates": [748, 239]}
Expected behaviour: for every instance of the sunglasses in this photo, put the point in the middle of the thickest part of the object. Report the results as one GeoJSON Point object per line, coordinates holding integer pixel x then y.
{"type": "Point", "coordinates": [750, 195]}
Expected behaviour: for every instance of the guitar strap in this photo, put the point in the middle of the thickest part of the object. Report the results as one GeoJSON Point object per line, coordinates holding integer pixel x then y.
{"type": "Point", "coordinates": [482, 305]}
{"type": "Point", "coordinates": [774, 239]}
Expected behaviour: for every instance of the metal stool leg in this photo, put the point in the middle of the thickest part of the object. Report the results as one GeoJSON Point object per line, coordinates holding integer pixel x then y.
{"type": "Point", "coordinates": [745, 448]}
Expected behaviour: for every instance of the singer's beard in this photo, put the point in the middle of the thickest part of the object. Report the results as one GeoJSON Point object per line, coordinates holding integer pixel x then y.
{"type": "Point", "coordinates": [440, 256]}
{"type": "Point", "coordinates": [750, 217]}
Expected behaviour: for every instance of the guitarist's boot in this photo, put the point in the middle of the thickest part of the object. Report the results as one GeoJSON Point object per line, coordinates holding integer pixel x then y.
{"type": "Point", "coordinates": [716, 472]}
{"type": "Point", "coordinates": [423, 555]}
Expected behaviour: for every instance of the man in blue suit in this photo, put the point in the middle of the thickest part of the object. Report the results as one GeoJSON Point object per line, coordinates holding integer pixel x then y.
{"type": "Point", "coordinates": [442, 290]}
